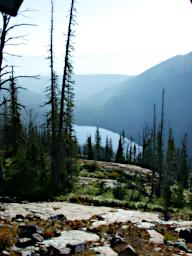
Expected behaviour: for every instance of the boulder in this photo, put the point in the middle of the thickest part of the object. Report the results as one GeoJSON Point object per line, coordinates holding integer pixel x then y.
{"type": "Point", "coordinates": [75, 240]}
{"type": "Point", "coordinates": [28, 230]}
{"type": "Point", "coordinates": [155, 237]}
{"type": "Point", "coordinates": [24, 242]}
{"type": "Point", "coordinates": [128, 250]}
{"type": "Point", "coordinates": [186, 234]}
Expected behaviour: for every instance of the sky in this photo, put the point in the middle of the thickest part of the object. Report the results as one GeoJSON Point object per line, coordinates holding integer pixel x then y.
{"type": "Point", "coordinates": [112, 36]}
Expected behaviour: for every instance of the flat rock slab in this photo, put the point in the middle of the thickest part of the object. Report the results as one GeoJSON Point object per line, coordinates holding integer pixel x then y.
{"type": "Point", "coordinates": [45, 210]}
{"type": "Point", "coordinates": [155, 237]}
{"type": "Point", "coordinates": [108, 215]}
{"type": "Point", "coordinates": [72, 237]}
{"type": "Point", "coordinates": [105, 251]}
{"type": "Point", "coordinates": [121, 215]}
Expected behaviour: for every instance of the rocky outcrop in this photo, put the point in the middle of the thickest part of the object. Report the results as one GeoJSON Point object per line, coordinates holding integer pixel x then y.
{"type": "Point", "coordinates": [65, 229]}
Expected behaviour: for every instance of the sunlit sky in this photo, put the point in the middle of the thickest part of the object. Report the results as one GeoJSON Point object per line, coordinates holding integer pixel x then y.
{"type": "Point", "coordinates": [112, 36]}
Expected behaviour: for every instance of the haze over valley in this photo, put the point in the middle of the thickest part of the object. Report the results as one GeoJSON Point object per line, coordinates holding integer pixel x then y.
{"type": "Point", "coordinates": [120, 102]}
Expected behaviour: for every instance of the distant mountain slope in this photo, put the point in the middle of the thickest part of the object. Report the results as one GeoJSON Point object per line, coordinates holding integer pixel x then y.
{"type": "Point", "coordinates": [129, 105]}
{"type": "Point", "coordinates": [85, 85]}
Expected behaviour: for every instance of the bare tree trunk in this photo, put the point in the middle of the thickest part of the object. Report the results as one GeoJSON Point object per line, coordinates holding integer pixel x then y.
{"type": "Point", "coordinates": [67, 64]}
{"type": "Point", "coordinates": [53, 102]}
{"type": "Point", "coordinates": [6, 20]}
{"type": "Point", "coordinates": [154, 152]}
{"type": "Point", "coordinates": [160, 153]}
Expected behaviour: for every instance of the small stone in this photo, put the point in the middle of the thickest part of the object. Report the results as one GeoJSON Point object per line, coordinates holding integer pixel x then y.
{"type": "Point", "coordinates": [57, 233]}
{"type": "Point", "coordinates": [157, 249]}
{"type": "Point", "coordinates": [51, 250]}
{"type": "Point", "coordinates": [83, 229]}
{"type": "Point", "coordinates": [181, 244]}
{"type": "Point", "coordinates": [64, 252]}
{"type": "Point", "coordinates": [105, 251]}
{"type": "Point", "coordinates": [145, 225]}
{"type": "Point", "coordinates": [117, 240]}
{"type": "Point", "coordinates": [37, 238]}
{"type": "Point", "coordinates": [60, 217]}
{"type": "Point", "coordinates": [78, 247]}
{"type": "Point", "coordinates": [5, 253]}
{"type": "Point", "coordinates": [99, 217]}
{"type": "Point", "coordinates": [128, 250]}
{"type": "Point", "coordinates": [170, 243]}
{"type": "Point", "coordinates": [43, 250]}
{"type": "Point", "coordinates": [18, 217]}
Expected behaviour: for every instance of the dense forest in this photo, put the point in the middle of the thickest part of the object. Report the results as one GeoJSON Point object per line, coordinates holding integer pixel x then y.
{"type": "Point", "coordinates": [42, 161]}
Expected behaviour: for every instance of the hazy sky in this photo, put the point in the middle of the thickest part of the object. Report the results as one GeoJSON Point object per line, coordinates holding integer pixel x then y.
{"type": "Point", "coordinates": [112, 36]}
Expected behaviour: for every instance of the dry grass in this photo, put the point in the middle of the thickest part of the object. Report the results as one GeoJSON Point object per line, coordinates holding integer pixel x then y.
{"type": "Point", "coordinates": [8, 236]}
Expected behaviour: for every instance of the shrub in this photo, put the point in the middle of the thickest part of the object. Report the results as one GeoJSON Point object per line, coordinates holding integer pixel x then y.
{"type": "Point", "coordinates": [119, 191]}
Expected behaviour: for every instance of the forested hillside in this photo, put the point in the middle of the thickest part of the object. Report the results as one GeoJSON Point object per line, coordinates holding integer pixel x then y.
{"type": "Point", "coordinates": [129, 105]}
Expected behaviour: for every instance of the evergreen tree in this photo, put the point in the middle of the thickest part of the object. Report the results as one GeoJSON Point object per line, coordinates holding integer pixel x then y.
{"type": "Point", "coordinates": [184, 163]}
{"type": "Point", "coordinates": [90, 153]}
{"type": "Point", "coordinates": [130, 153]}
{"type": "Point", "coordinates": [171, 160]}
{"type": "Point", "coordinates": [111, 149]}
{"type": "Point", "coordinates": [97, 144]}
{"type": "Point", "coordinates": [108, 150]}
{"type": "Point", "coordinates": [147, 153]}
{"type": "Point", "coordinates": [5, 129]}
{"type": "Point", "coordinates": [127, 154]}
{"type": "Point", "coordinates": [119, 155]}
{"type": "Point", "coordinates": [170, 170]}
{"type": "Point", "coordinates": [134, 153]}
{"type": "Point", "coordinates": [15, 119]}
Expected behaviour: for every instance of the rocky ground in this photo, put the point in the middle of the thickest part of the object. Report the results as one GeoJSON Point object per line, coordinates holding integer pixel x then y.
{"type": "Point", "coordinates": [57, 228]}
